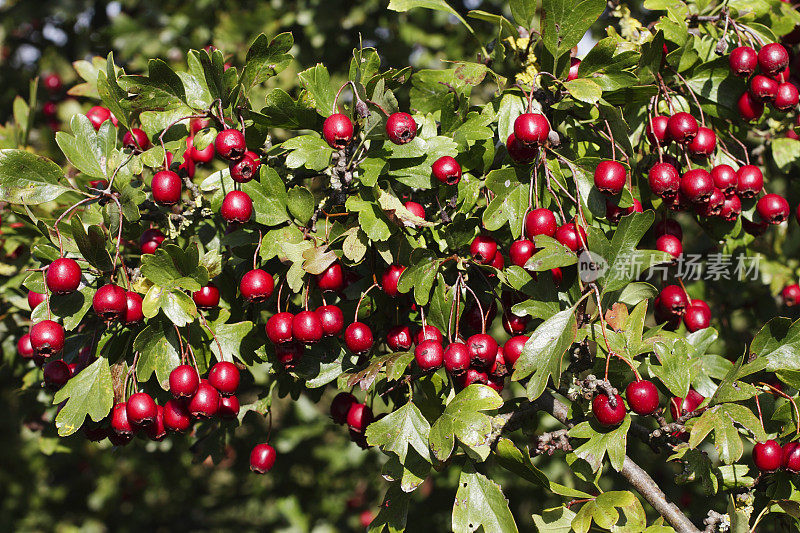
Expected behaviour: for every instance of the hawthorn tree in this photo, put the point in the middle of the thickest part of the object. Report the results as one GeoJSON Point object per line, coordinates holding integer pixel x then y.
{"type": "Point", "coordinates": [468, 267]}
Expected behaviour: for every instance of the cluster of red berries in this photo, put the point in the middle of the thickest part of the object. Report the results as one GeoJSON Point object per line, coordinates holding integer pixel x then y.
{"type": "Point", "coordinates": [346, 409]}
{"type": "Point", "coordinates": [55, 93]}
{"type": "Point", "coordinates": [531, 131]}
{"type": "Point", "coordinates": [770, 456]}
{"type": "Point", "coordinates": [673, 305]}
{"type": "Point", "coordinates": [771, 86]}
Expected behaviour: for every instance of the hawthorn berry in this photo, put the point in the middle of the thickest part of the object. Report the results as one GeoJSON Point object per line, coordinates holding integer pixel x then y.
{"type": "Point", "coordinates": [610, 177]}
{"type": "Point", "coordinates": [47, 338]}
{"type": "Point", "coordinates": [731, 208]}
{"type": "Point", "coordinates": [791, 295]}
{"type": "Point", "coordinates": [24, 347]}
{"type": "Point", "coordinates": [332, 278]}
{"type": "Point", "coordinates": [672, 300]}
{"type": "Point", "coordinates": [743, 61]}
{"type": "Point", "coordinates": [416, 210]}
{"type": "Point", "coordinates": [262, 458]}
{"type": "Point", "coordinates": [762, 88]}
{"type": "Point", "coordinates": [772, 59]}
{"type": "Point", "coordinates": [471, 377]}
{"type": "Point", "coordinates": [35, 298]}
{"type": "Point", "coordinates": [574, 65]}
{"type": "Point", "coordinates": [520, 152]}
{"type": "Point", "coordinates": [337, 130]}
{"type": "Point", "coordinates": [224, 376]}
{"type": "Point", "coordinates": [390, 278]}
{"type": "Point", "coordinates": [682, 127]}
{"type": "Point", "coordinates": [749, 181]}
{"type": "Point", "coordinates": [289, 353]}
{"type": "Point", "coordinates": [230, 144]}
{"type": "Point", "coordinates": [237, 206]}
{"type": "Point", "coordinates": [614, 212]}
{"type": "Point", "coordinates": [656, 131]}
{"type": "Point", "coordinates": [680, 406]}
{"type": "Point", "coordinates": [228, 407]}
{"type": "Point", "coordinates": [63, 276]}
{"type": "Point", "coordinates": [429, 355]}
{"type": "Point", "coordinates": [156, 430]}
{"type": "Point", "coordinates": [244, 169]}
{"type": "Point", "coordinates": [307, 327]}
{"type": "Point", "coordinates": [110, 302]}
{"type": "Point", "coordinates": [331, 318]}
{"type": "Point", "coordinates": [540, 221]}
{"type": "Point", "coordinates": [704, 143]}
{"type": "Point", "coordinates": [668, 226]}
{"type": "Point", "coordinates": [571, 235]}
{"type": "Point", "coordinates": [512, 349]}
{"type": "Point", "coordinates": [725, 179]}
{"type": "Point", "coordinates": [358, 337]}
{"type": "Point", "coordinates": [664, 180]}
{"type": "Point", "coordinates": [791, 457]}
{"type": "Point", "coordinates": [642, 397]}
{"type": "Point", "coordinates": [97, 115]}
{"type": "Point", "coordinates": [207, 297]}
{"type": "Point", "coordinates": [136, 140]}
{"type": "Point", "coordinates": [428, 333]}
{"type": "Point", "coordinates": [150, 240]}
{"type": "Point", "coordinates": [773, 208]}
{"type": "Point", "coordinates": [482, 350]}
{"type": "Point", "coordinates": [56, 374]}
{"type": "Point", "coordinates": [697, 317]}
{"type": "Point", "coordinates": [119, 420]}
{"type": "Point", "coordinates": [669, 244]}
{"type": "Point", "coordinates": [531, 128]}
{"type": "Point", "coordinates": [786, 97]}
{"type": "Point", "coordinates": [52, 82]}
{"type": "Point", "coordinates": [447, 170]}
{"type": "Point", "coordinates": [279, 327]}
{"type": "Point", "coordinates": [141, 409]}
{"type": "Point", "coordinates": [133, 308]}
{"type": "Point", "coordinates": [205, 402]}
{"type": "Point", "coordinates": [714, 205]}
{"type": "Point", "coordinates": [398, 338]}
{"type": "Point", "coordinates": [177, 417]}
{"type": "Point", "coordinates": [514, 324]}
{"type": "Point", "coordinates": [456, 358]}
{"type": "Point", "coordinates": [605, 413]}
{"type": "Point", "coordinates": [767, 456]}
{"type": "Point", "coordinates": [167, 187]}
{"type": "Point", "coordinates": [520, 251]}
{"type": "Point", "coordinates": [401, 128]}
{"type": "Point", "coordinates": [749, 108]}
{"type": "Point", "coordinates": [204, 156]}
{"type": "Point", "coordinates": [483, 249]}
{"type": "Point", "coordinates": [359, 416]}
{"type": "Point", "coordinates": [183, 381]}
{"type": "Point", "coordinates": [697, 185]}
{"type": "Point", "coordinates": [340, 406]}
{"type": "Point", "coordinates": [256, 285]}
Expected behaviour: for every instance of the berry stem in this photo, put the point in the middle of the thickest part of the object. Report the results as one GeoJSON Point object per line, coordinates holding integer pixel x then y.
{"type": "Point", "coordinates": [782, 394]}
{"type": "Point", "coordinates": [47, 296]}
{"type": "Point", "coordinates": [480, 308]}
{"type": "Point", "coordinates": [363, 295]}
{"type": "Point", "coordinates": [216, 340]}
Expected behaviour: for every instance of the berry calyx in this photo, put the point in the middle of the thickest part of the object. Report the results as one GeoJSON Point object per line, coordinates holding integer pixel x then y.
{"type": "Point", "coordinates": [642, 397]}
{"type": "Point", "coordinates": [429, 355]}
{"type": "Point", "coordinates": [224, 376]}
{"type": "Point", "coordinates": [768, 456]}
{"type": "Point", "coordinates": [279, 327]}
{"type": "Point", "coordinates": [331, 318]}
{"type": "Point", "coordinates": [605, 413]}
{"type": "Point", "coordinates": [183, 381]}
{"type": "Point", "coordinates": [230, 144]}
{"type": "Point", "coordinates": [610, 177]}
{"type": "Point", "coordinates": [244, 169]}
{"type": "Point", "coordinates": [401, 128]}
{"type": "Point", "coordinates": [307, 327]}
{"type": "Point", "coordinates": [262, 458]}
{"type": "Point", "coordinates": [207, 297]}
{"type": "Point", "coordinates": [731, 208]}
{"type": "Point", "coordinates": [141, 409]}
{"type": "Point", "coordinates": [540, 221]}
{"type": "Point", "coordinates": [205, 402]}
{"type": "Point", "coordinates": [337, 130]}
{"type": "Point", "coordinates": [47, 338]}
{"type": "Point", "coordinates": [672, 300]}
{"type": "Point", "coordinates": [390, 278]}
{"type": "Point", "coordinates": [63, 276]}
{"type": "Point", "coordinates": [682, 127]}
{"type": "Point", "coordinates": [358, 337]}
{"type": "Point", "coordinates": [773, 208]}
{"type": "Point", "coordinates": [743, 61]}
{"type": "Point", "coordinates": [531, 128]}
{"type": "Point", "coordinates": [167, 187]}
{"type": "Point", "coordinates": [237, 207]}
{"type": "Point", "coordinates": [447, 170]}
{"type": "Point", "coordinates": [256, 285]}
{"type": "Point", "coordinates": [110, 302]}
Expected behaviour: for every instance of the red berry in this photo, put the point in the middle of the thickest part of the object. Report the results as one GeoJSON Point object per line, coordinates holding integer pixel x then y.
{"type": "Point", "coordinates": [773, 208]}
{"type": "Point", "coordinates": [262, 458]}
{"type": "Point", "coordinates": [791, 457]}
{"type": "Point", "coordinates": [63, 276]}
{"type": "Point", "coordinates": [340, 406]}
{"type": "Point", "coordinates": [483, 249]}
{"type": "Point", "coordinates": [332, 279]}
{"type": "Point", "coordinates": [768, 456]}
{"type": "Point", "coordinates": [664, 180]}
{"type": "Point", "coordinates": [519, 151]}
{"type": "Point", "coordinates": [642, 397]}
{"type": "Point", "coordinates": [141, 409]}
{"type": "Point", "coordinates": [724, 179]}
{"type": "Point", "coordinates": [749, 108]}
{"type": "Point", "coordinates": [429, 355]}
{"type": "Point", "coordinates": [682, 127]}
{"type": "Point", "coordinates": [749, 181]}
{"type": "Point", "coordinates": [207, 297]}
{"type": "Point", "coordinates": [157, 430]}
{"type": "Point", "coordinates": [224, 376]}
{"type": "Point", "coordinates": [256, 285]}
{"type": "Point", "coordinates": [47, 338]}
{"type": "Point", "coordinates": [136, 140]}
{"type": "Point", "coordinates": [697, 185]}
{"type": "Point", "coordinates": [289, 354]}
{"type": "Point", "coordinates": [610, 177]}
{"type": "Point", "coordinates": [668, 226]}
{"type": "Point", "coordinates": [697, 317]}
{"type": "Point", "coordinates": [24, 347]}
{"type": "Point", "coordinates": [540, 221]}
{"type": "Point", "coordinates": [482, 350]}
{"type": "Point", "coordinates": [279, 327]}
{"type": "Point", "coordinates": [97, 115]}
{"type": "Point", "coordinates": [714, 205]}
{"type": "Point", "coordinates": [119, 420]}
{"type": "Point", "coordinates": [150, 240]}
{"type": "Point", "coordinates": [447, 170]}
{"type": "Point", "coordinates": [390, 278]}
{"type": "Point", "coordinates": [670, 244]}
{"type": "Point", "coordinates": [337, 130]}
{"type": "Point", "coordinates": [572, 236]}
{"type": "Point", "coordinates": [110, 302]}
{"type": "Point", "coordinates": [791, 295]}
{"type": "Point", "coordinates": [731, 208]}
{"type": "Point", "coordinates": [520, 251]}
{"type": "Point", "coordinates": [531, 128]}
{"type": "Point", "coordinates": [772, 58]}
{"type": "Point", "coordinates": [762, 88]}
{"type": "Point", "coordinates": [657, 131]}
{"type": "Point", "coordinates": [512, 349]}
{"type": "Point", "coordinates": [428, 333]}
{"type": "Point", "coordinates": [456, 358]}
{"type": "Point", "coordinates": [52, 82]}
{"type": "Point", "coordinates": [35, 298]}
{"type": "Point", "coordinates": [205, 402]}
{"type": "Point", "coordinates": [56, 374]}
{"type": "Point", "coordinates": [515, 324]}
{"type": "Point", "coordinates": [574, 65]}
{"type": "Point", "coordinates": [398, 338]}
{"type": "Point", "coordinates": [176, 416]}
{"type": "Point", "coordinates": [307, 327]}
{"type": "Point", "coordinates": [237, 207]}
{"type": "Point", "coordinates": [167, 187]}
{"type": "Point", "coordinates": [332, 320]}
{"type": "Point", "coordinates": [416, 209]}
{"type": "Point", "coordinates": [786, 97]}
{"type": "Point", "coordinates": [133, 308]}
{"type": "Point", "coordinates": [604, 413]}
{"type": "Point", "coordinates": [228, 407]}
{"type": "Point", "coordinates": [672, 300]}
{"type": "Point", "coordinates": [358, 337]}
{"type": "Point", "coordinates": [244, 169]}
{"type": "Point", "coordinates": [359, 416]}
{"type": "Point", "coordinates": [183, 381]}
{"type": "Point", "coordinates": [704, 143]}
{"type": "Point", "coordinates": [743, 61]}
{"type": "Point", "coordinates": [401, 128]}
{"type": "Point", "coordinates": [472, 376]}
{"type": "Point", "coordinates": [614, 212]}
{"type": "Point", "coordinates": [230, 144]}
{"type": "Point", "coordinates": [680, 406]}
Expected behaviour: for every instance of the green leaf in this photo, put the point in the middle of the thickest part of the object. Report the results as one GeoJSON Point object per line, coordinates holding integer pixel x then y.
{"type": "Point", "coordinates": [269, 197]}
{"type": "Point", "coordinates": [584, 90]}
{"type": "Point", "coordinates": [594, 450]}
{"type": "Point", "coordinates": [551, 254]}
{"type": "Point", "coordinates": [160, 90]}
{"type": "Point", "coordinates": [266, 59]}
{"type": "Point", "coordinates": [480, 504]}
{"type": "Point", "coordinates": [779, 343]}
{"type": "Point", "coordinates": [177, 306]}
{"type": "Point", "coordinates": [556, 520]}
{"type": "Point", "coordinates": [233, 341]}
{"type": "Point", "coordinates": [519, 462]}
{"type": "Point", "coordinates": [70, 308]}
{"type": "Point", "coordinates": [309, 151]}
{"type": "Point", "coordinates": [720, 420]}
{"type": "Point", "coordinates": [92, 245]}
{"type": "Point", "coordinates": [393, 511]}
{"type": "Point", "coordinates": [171, 267]}
{"type": "Point", "coordinates": [677, 369]}
{"type": "Point", "coordinates": [281, 111]}
{"type": "Point", "coordinates": [463, 420]}
{"type": "Point", "coordinates": [564, 23]}
{"type": "Point", "coordinates": [157, 345]}
{"type": "Point", "coordinates": [90, 392]}
{"type": "Point", "coordinates": [523, 11]}
{"type": "Point", "coordinates": [543, 353]}
{"type": "Point", "coordinates": [88, 150]}
{"type": "Point", "coordinates": [29, 179]}
{"type": "Point", "coordinates": [317, 82]}
{"type": "Point", "coordinates": [300, 202]}
{"type": "Point", "coordinates": [396, 431]}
